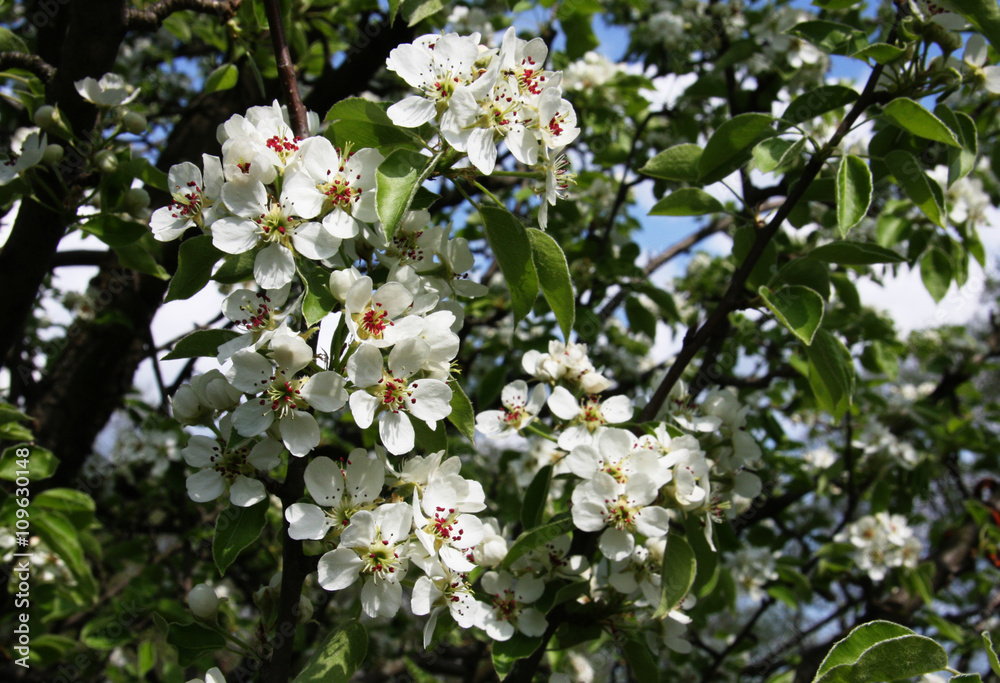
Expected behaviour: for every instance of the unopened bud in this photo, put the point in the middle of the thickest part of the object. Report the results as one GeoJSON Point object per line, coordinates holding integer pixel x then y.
{"type": "Point", "coordinates": [203, 601]}
{"type": "Point", "coordinates": [45, 116]}
{"type": "Point", "coordinates": [134, 122]}
{"type": "Point", "coordinates": [106, 161]}
{"type": "Point", "coordinates": [136, 200]}
{"type": "Point", "coordinates": [53, 154]}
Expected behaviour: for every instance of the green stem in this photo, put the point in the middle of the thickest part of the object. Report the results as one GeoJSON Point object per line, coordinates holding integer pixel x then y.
{"type": "Point", "coordinates": [488, 193]}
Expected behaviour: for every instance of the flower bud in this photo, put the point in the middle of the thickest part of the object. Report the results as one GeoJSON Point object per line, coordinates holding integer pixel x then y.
{"type": "Point", "coordinates": [45, 116]}
{"type": "Point", "coordinates": [203, 601]}
{"type": "Point", "coordinates": [53, 154]}
{"type": "Point", "coordinates": [106, 161]}
{"type": "Point", "coordinates": [136, 200]}
{"type": "Point", "coordinates": [134, 122]}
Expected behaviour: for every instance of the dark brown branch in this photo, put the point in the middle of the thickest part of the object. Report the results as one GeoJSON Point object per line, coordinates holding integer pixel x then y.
{"type": "Point", "coordinates": [694, 342]}
{"type": "Point", "coordinates": [152, 17]}
{"type": "Point", "coordinates": [286, 70]}
{"type": "Point", "coordinates": [32, 63]}
{"type": "Point", "coordinates": [83, 257]}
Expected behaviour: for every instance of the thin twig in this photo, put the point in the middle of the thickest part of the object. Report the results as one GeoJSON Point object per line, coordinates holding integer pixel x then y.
{"type": "Point", "coordinates": [152, 17]}
{"type": "Point", "coordinates": [286, 70]}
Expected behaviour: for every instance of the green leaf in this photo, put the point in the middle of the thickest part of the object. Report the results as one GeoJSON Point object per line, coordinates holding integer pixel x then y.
{"type": "Point", "coordinates": [431, 440]}
{"type": "Point", "coordinates": [818, 101]}
{"type": "Point", "coordinates": [393, 9]}
{"type": "Point", "coordinates": [798, 308]}
{"type": "Point", "coordinates": [854, 192]}
{"type": "Point", "coordinates": [222, 78]}
{"type": "Point", "coordinates": [804, 271]}
{"type": "Point", "coordinates": [11, 42]}
{"type": "Point", "coordinates": [913, 118]}
{"type": "Point", "coordinates": [338, 657]}
{"type": "Point", "coordinates": [64, 539]}
{"type": "Point", "coordinates": [676, 163]}
{"type": "Point", "coordinates": [890, 660]}
{"type": "Point", "coordinates": [961, 162]}
{"type": "Point", "coordinates": [553, 278]}
{"type": "Point", "coordinates": [195, 260]}
{"type": "Point", "coordinates": [854, 253]}
{"type": "Point", "coordinates": [640, 318]}
{"type": "Point", "coordinates": [510, 244]}
{"type": "Point", "coordinates": [991, 653]}
{"type": "Point", "coordinates": [507, 652]}
{"type": "Point", "coordinates": [937, 270]}
{"type": "Point", "coordinates": [679, 571]}
{"type": "Point", "coordinates": [397, 181]}
{"type": "Point", "coordinates": [688, 201]}
{"type": "Point", "coordinates": [77, 506]}
{"type": "Point", "coordinates": [115, 231]}
{"type": "Point", "coordinates": [880, 53]}
{"type": "Point", "coordinates": [831, 373]}
{"type": "Point", "coordinates": [41, 463]}
{"type": "Point", "coordinates": [365, 124]}
{"type": "Point", "coordinates": [729, 147]}
{"type": "Point", "coordinates": [579, 30]}
{"type": "Point", "coordinates": [774, 155]}
{"type": "Point", "coordinates": [540, 535]}
{"type": "Point", "coordinates": [966, 678]}
{"type": "Point", "coordinates": [415, 11]}
{"type": "Point", "coordinates": [194, 640]}
{"type": "Point", "coordinates": [644, 666]}
{"type": "Point", "coordinates": [831, 37]}
{"type": "Point", "coordinates": [201, 343]}
{"type": "Point", "coordinates": [319, 300]}
{"type": "Point", "coordinates": [835, 4]}
{"type": "Point", "coordinates": [850, 649]}
{"type": "Point", "coordinates": [462, 415]}
{"type": "Point", "coordinates": [984, 15]}
{"type": "Point", "coordinates": [535, 498]}
{"type": "Point", "coordinates": [137, 257]}
{"type": "Point", "coordinates": [923, 191]}
{"type": "Point", "coordinates": [236, 268]}
{"type": "Point", "coordinates": [236, 528]}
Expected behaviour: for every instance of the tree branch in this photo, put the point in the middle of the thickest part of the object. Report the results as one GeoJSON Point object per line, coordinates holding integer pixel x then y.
{"type": "Point", "coordinates": [152, 17]}
{"type": "Point", "coordinates": [286, 70]}
{"type": "Point", "coordinates": [32, 63]}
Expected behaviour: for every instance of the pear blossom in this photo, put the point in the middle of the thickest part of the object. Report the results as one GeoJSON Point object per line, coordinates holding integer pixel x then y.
{"type": "Point", "coordinates": [587, 416]}
{"type": "Point", "coordinates": [619, 509]}
{"type": "Point", "coordinates": [339, 490]}
{"type": "Point", "coordinates": [371, 548]}
{"type": "Point", "coordinates": [339, 186]}
{"type": "Point", "coordinates": [233, 469]}
{"type": "Point", "coordinates": [753, 569]}
{"type": "Point", "coordinates": [443, 520]}
{"type": "Point", "coordinates": [27, 147]}
{"type": "Point", "coordinates": [520, 409]}
{"type": "Point", "coordinates": [615, 452]}
{"type": "Point", "coordinates": [193, 199]}
{"type": "Point", "coordinates": [493, 548]}
{"type": "Point", "coordinates": [202, 397]}
{"type": "Point", "coordinates": [379, 317]}
{"type": "Point", "coordinates": [510, 611]}
{"type": "Point", "coordinates": [213, 675]}
{"type": "Point", "coordinates": [388, 393]}
{"type": "Point", "coordinates": [552, 560]}
{"type": "Point", "coordinates": [568, 362]}
{"type": "Point", "coordinates": [443, 588]}
{"type": "Point", "coordinates": [639, 572]}
{"type": "Point", "coordinates": [110, 91]}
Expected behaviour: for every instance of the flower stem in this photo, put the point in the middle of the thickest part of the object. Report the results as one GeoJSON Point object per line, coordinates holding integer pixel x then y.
{"type": "Point", "coordinates": [286, 70]}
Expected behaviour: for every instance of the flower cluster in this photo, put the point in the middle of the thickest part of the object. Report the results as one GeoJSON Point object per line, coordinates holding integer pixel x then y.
{"type": "Point", "coordinates": [477, 97]}
{"type": "Point", "coordinates": [882, 541]}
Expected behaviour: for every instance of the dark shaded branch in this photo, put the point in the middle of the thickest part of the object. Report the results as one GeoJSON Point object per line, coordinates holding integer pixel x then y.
{"type": "Point", "coordinates": [32, 63]}
{"type": "Point", "coordinates": [152, 17]}
{"type": "Point", "coordinates": [83, 257]}
{"type": "Point", "coordinates": [286, 70]}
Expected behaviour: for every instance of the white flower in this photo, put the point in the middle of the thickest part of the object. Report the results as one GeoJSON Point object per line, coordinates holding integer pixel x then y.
{"type": "Point", "coordinates": [617, 453]}
{"type": "Point", "coordinates": [205, 395]}
{"type": "Point", "coordinates": [27, 147]}
{"type": "Point", "coordinates": [233, 469]}
{"type": "Point", "coordinates": [753, 568]}
{"type": "Point", "coordinates": [213, 675]}
{"type": "Point", "coordinates": [520, 408]}
{"type": "Point", "coordinates": [388, 393]}
{"type": "Point", "coordinates": [255, 312]}
{"type": "Point", "coordinates": [340, 490]}
{"type": "Point", "coordinates": [110, 91]}
{"type": "Point", "coordinates": [444, 525]}
{"type": "Point", "coordinates": [509, 611]}
{"type": "Point", "coordinates": [443, 588]}
{"type": "Point", "coordinates": [379, 318]}
{"type": "Point", "coordinates": [340, 186]}
{"type": "Point", "coordinates": [371, 547]}
{"type": "Point", "coordinates": [619, 509]}
{"type": "Point", "coordinates": [588, 416]}
{"type": "Point", "coordinates": [193, 199]}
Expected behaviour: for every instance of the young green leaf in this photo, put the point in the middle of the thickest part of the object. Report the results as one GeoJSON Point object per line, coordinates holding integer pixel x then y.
{"type": "Point", "coordinates": [923, 191]}
{"type": "Point", "coordinates": [507, 652]}
{"type": "Point", "coordinates": [991, 653]}
{"type": "Point", "coordinates": [849, 649]}
{"type": "Point", "coordinates": [912, 117]}
{"type": "Point", "coordinates": [531, 539]}
{"type": "Point", "coordinates": [687, 201]}
{"type": "Point", "coordinates": [676, 163]}
{"type": "Point", "coordinates": [984, 15]}
{"type": "Point", "coordinates": [818, 101]}
{"type": "Point", "coordinates": [831, 373]}
{"type": "Point", "coordinates": [338, 657]}
{"type": "Point", "coordinates": [775, 155]}
{"type": "Point", "coordinates": [223, 78]}
{"type": "Point", "coordinates": [831, 37]}
{"type": "Point", "coordinates": [880, 53]}
{"type": "Point", "coordinates": [678, 574]}
{"type": "Point", "coordinates": [854, 192]}
{"type": "Point", "coordinates": [195, 260]}
{"type": "Point", "coordinates": [397, 181]}
{"type": "Point", "coordinates": [798, 308]}
{"type": "Point", "coordinates": [42, 463]}
{"type": "Point", "coordinates": [644, 667]}
{"type": "Point", "coordinates": [194, 640]}
{"type": "Point", "coordinates": [512, 247]}
{"type": "Point", "coordinates": [201, 343]}
{"type": "Point", "coordinates": [937, 270]}
{"type": "Point", "coordinates": [854, 253]}
{"type": "Point", "coordinates": [462, 415]}
{"type": "Point", "coordinates": [534, 498]}
{"type": "Point", "coordinates": [729, 147]}
{"type": "Point", "coordinates": [236, 528]}
{"type": "Point", "coordinates": [891, 660]}
{"type": "Point", "coordinates": [553, 278]}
